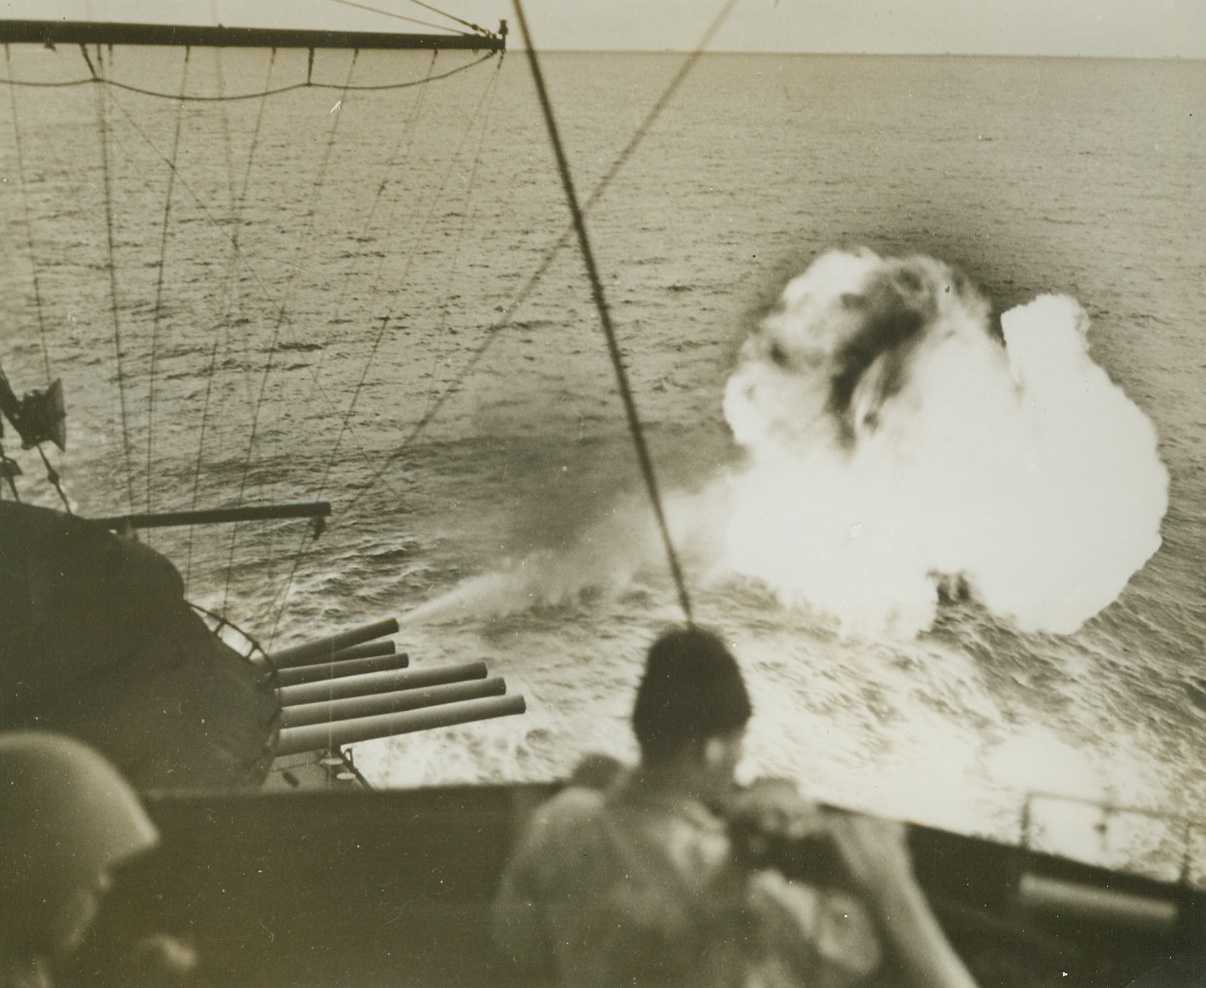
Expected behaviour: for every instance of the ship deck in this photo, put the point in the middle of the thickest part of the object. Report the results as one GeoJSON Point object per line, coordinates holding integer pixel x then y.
{"type": "Point", "coordinates": [360, 887]}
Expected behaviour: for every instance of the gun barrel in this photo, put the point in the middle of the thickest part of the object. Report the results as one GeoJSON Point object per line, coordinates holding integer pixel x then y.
{"type": "Point", "coordinates": [322, 671]}
{"type": "Point", "coordinates": [388, 703]}
{"type": "Point", "coordinates": [294, 740]}
{"type": "Point", "coordinates": [322, 649]}
{"type": "Point", "coordinates": [379, 682]}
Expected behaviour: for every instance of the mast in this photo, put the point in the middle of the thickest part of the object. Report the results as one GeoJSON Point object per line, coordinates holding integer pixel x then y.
{"type": "Point", "coordinates": [52, 33]}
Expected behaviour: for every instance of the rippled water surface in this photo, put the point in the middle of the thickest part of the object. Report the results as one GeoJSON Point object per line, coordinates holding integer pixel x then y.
{"type": "Point", "coordinates": [313, 295]}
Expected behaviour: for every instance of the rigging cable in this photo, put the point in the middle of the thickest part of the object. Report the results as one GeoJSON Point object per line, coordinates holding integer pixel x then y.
{"type": "Point", "coordinates": [444, 13]}
{"type": "Point", "coordinates": [214, 221]}
{"type": "Point", "coordinates": [464, 219]}
{"type": "Point", "coordinates": [413, 20]}
{"type": "Point", "coordinates": [236, 212]}
{"type": "Point", "coordinates": [473, 28]}
{"type": "Point", "coordinates": [486, 99]}
{"type": "Point", "coordinates": [102, 112]}
{"type": "Point", "coordinates": [550, 254]}
{"type": "Point", "coordinates": [208, 215]}
{"type": "Point", "coordinates": [600, 299]}
{"type": "Point", "coordinates": [621, 160]}
{"type": "Point", "coordinates": [394, 156]}
{"type": "Point", "coordinates": [158, 311]}
{"type": "Point", "coordinates": [8, 470]}
{"type": "Point", "coordinates": [311, 213]}
{"type": "Point", "coordinates": [279, 91]}
{"type": "Point", "coordinates": [8, 58]}
{"type": "Point", "coordinates": [52, 475]}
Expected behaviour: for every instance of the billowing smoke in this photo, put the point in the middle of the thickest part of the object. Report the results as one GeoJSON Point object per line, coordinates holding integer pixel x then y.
{"type": "Point", "coordinates": [900, 448]}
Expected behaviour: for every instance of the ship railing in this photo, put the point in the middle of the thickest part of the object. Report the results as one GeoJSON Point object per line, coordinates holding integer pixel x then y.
{"type": "Point", "coordinates": [1113, 834]}
{"type": "Point", "coordinates": [1156, 857]}
{"type": "Point", "coordinates": [234, 637]}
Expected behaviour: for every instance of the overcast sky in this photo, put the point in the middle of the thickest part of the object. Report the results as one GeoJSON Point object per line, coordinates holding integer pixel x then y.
{"type": "Point", "coordinates": [1127, 28]}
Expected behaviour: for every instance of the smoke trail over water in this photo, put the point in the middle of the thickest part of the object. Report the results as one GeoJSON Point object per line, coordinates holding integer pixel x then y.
{"type": "Point", "coordinates": [898, 446]}
{"type": "Point", "coordinates": [604, 555]}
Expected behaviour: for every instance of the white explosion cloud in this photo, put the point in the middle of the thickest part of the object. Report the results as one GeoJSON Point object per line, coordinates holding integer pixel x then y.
{"type": "Point", "coordinates": [899, 447]}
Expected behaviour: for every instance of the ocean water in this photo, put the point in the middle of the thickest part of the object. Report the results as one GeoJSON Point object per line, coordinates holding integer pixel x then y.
{"type": "Point", "coordinates": [327, 294]}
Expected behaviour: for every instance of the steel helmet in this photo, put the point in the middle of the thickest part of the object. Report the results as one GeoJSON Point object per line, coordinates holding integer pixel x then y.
{"type": "Point", "coordinates": [66, 816]}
